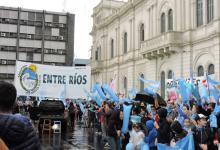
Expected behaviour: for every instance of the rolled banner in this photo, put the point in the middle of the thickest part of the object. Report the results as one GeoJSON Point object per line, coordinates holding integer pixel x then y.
{"type": "Point", "coordinates": [145, 146]}
{"type": "Point", "coordinates": [126, 111]}
{"type": "Point", "coordinates": [213, 121]}
{"type": "Point", "coordinates": [97, 88]}
{"type": "Point", "coordinates": [110, 92]}
{"type": "Point", "coordinates": [130, 146]}
{"type": "Point", "coordinates": [149, 91]}
{"type": "Point", "coordinates": [81, 107]}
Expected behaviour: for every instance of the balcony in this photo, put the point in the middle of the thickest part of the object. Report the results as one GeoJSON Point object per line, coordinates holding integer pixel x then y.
{"type": "Point", "coordinates": [96, 66]}
{"type": "Point", "coordinates": [162, 45]}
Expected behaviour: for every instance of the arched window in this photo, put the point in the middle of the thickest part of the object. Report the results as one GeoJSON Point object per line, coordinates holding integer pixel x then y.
{"type": "Point", "coordinates": [200, 71]}
{"type": "Point", "coordinates": [170, 74]}
{"type": "Point", "coordinates": [211, 69]}
{"type": "Point", "coordinates": [125, 42]}
{"type": "Point", "coordinates": [199, 12]}
{"type": "Point", "coordinates": [125, 85]}
{"type": "Point", "coordinates": [170, 20]}
{"type": "Point", "coordinates": [142, 83]}
{"type": "Point", "coordinates": [163, 23]}
{"type": "Point", "coordinates": [112, 48]}
{"type": "Point", "coordinates": [142, 32]}
{"type": "Point", "coordinates": [210, 10]}
{"type": "Point", "coordinates": [162, 82]}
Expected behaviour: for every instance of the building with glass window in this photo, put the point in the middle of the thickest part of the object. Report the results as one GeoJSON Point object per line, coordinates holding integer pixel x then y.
{"type": "Point", "coordinates": [154, 39]}
{"type": "Point", "coordinates": [34, 36]}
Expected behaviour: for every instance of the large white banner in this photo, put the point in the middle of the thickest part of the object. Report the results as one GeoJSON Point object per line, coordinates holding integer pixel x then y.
{"type": "Point", "coordinates": [51, 81]}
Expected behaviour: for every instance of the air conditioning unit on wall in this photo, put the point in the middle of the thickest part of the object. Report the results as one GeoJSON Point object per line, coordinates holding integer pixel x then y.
{"type": "Point", "coordinates": [4, 62]}
{"type": "Point", "coordinates": [29, 36]}
{"type": "Point", "coordinates": [61, 25]}
{"type": "Point", "coordinates": [60, 37]}
{"type": "Point", "coordinates": [3, 34]}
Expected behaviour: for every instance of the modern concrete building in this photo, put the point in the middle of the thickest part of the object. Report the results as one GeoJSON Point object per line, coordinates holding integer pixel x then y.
{"type": "Point", "coordinates": [34, 36]}
{"type": "Point", "coordinates": [81, 62]}
{"type": "Point", "coordinates": [154, 39]}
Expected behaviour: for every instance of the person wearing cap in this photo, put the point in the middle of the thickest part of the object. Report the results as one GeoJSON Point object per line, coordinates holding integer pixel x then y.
{"type": "Point", "coordinates": [202, 133]}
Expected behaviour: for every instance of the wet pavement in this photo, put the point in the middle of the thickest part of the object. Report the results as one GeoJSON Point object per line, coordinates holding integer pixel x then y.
{"type": "Point", "coordinates": [79, 138]}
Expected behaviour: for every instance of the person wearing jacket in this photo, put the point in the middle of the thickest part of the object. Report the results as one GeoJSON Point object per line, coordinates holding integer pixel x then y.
{"type": "Point", "coordinates": [163, 127]}
{"type": "Point", "coordinates": [202, 133]}
{"type": "Point", "coordinates": [111, 126]}
{"type": "Point", "coordinates": [16, 131]}
{"type": "Point", "coordinates": [178, 131]}
{"type": "Point", "coordinates": [152, 135]}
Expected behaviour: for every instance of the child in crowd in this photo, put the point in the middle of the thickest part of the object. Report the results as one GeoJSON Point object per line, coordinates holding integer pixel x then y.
{"type": "Point", "coordinates": [150, 138]}
{"type": "Point", "coordinates": [136, 136]}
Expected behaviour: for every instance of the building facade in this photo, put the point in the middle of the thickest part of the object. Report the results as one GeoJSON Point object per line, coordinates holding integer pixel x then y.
{"type": "Point", "coordinates": [34, 36]}
{"type": "Point", "coordinates": [154, 39]}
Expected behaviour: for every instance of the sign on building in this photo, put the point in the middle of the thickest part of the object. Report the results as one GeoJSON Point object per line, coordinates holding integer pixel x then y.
{"type": "Point", "coordinates": [51, 81]}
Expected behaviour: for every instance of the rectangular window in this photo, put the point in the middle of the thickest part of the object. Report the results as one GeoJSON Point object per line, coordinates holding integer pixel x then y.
{"type": "Point", "coordinates": [39, 17]}
{"type": "Point", "coordinates": [210, 10]}
{"type": "Point", "coordinates": [199, 13]}
{"type": "Point", "coordinates": [96, 54]}
{"type": "Point", "coordinates": [31, 16]}
{"type": "Point", "coordinates": [125, 42]}
{"type": "Point", "coordinates": [38, 30]}
{"type": "Point", "coordinates": [6, 76]}
{"type": "Point", "coordinates": [29, 56]}
{"type": "Point", "coordinates": [112, 48]}
{"type": "Point", "coordinates": [47, 31]}
{"type": "Point", "coordinates": [56, 18]}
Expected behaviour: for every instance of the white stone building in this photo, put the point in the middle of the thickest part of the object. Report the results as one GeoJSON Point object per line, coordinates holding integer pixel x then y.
{"type": "Point", "coordinates": [36, 36]}
{"type": "Point", "coordinates": [154, 38]}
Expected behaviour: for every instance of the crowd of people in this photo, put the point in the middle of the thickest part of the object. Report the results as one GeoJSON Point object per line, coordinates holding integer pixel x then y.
{"type": "Point", "coordinates": [153, 124]}
{"type": "Point", "coordinates": [149, 124]}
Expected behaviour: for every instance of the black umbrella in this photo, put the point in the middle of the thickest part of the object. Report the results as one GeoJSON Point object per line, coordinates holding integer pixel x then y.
{"type": "Point", "coordinates": [161, 101]}
{"type": "Point", "coordinates": [150, 99]}
{"type": "Point", "coordinates": [144, 97]}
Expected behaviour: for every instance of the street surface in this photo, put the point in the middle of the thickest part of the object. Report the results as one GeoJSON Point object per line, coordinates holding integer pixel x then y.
{"type": "Point", "coordinates": [80, 138]}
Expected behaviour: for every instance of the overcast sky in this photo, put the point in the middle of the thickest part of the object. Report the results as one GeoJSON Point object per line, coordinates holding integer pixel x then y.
{"type": "Point", "coordinates": [83, 21]}
{"type": "Point", "coordinates": [81, 8]}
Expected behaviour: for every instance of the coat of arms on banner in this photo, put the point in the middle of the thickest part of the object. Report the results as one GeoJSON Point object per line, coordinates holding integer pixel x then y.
{"type": "Point", "coordinates": [29, 79]}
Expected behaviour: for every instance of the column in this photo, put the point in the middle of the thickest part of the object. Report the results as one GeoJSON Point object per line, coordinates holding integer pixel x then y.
{"type": "Point", "coordinates": [204, 12]}
{"type": "Point", "coordinates": [188, 14]}
{"type": "Point", "coordinates": [116, 43]}
{"type": "Point", "coordinates": [154, 20]}
{"type": "Point", "coordinates": [193, 10]}
{"type": "Point", "coordinates": [216, 9]}
{"type": "Point", "coordinates": [150, 23]}
{"type": "Point", "coordinates": [147, 25]}
{"type": "Point", "coordinates": [130, 35]}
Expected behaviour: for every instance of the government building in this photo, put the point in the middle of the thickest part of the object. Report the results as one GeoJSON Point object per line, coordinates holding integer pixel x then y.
{"type": "Point", "coordinates": [154, 39]}
{"type": "Point", "coordinates": [34, 36]}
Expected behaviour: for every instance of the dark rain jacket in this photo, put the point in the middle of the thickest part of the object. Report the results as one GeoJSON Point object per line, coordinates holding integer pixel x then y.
{"type": "Point", "coordinates": [18, 133]}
